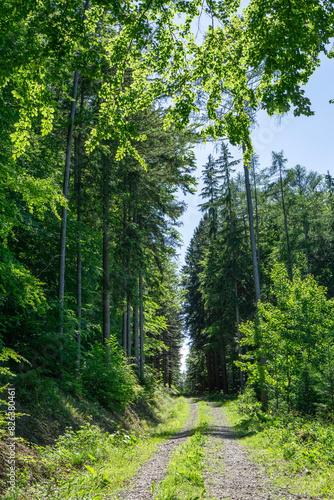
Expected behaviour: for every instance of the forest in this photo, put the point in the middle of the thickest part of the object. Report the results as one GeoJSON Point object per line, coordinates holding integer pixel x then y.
{"type": "Point", "coordinates": [102, 106]}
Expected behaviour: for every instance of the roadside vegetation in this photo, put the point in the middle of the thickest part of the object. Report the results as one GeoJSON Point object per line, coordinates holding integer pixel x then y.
{"type": "Point", "coordinates": [296, 449]}
{"type": "Point", "coordinates": [91, 462]}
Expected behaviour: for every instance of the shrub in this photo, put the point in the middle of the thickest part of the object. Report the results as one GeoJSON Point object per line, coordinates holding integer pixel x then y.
{"type": "Point", "coordinates": [87, 445]}
{"type": "Point", "coordinates": [247, 403]}
{"type": "Point", "coordinates": [109, 381]}
{"type": "Point", "coordinates": [290, 345]}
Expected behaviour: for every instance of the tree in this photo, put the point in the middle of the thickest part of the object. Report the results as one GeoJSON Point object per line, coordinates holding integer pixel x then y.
{"type": "Point", "coordinates": [296, 338]}
{"type": "Point", "coordinates": [278, 165]}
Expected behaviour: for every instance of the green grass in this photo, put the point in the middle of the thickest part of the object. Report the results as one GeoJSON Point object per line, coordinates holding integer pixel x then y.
{"type": "Point", "coordinates": [298, 452]}
{"type": "Point", "coordinates": [93, 464]}
{"type": "Point", "coordinates": [184, 480]}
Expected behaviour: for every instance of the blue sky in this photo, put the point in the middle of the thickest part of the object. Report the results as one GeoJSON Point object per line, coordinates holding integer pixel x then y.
{"type": "Point", "coordinates": [308, 141]}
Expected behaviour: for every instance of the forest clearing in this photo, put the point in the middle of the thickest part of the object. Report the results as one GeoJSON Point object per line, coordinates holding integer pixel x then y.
{"type": "Point", "coordinates": [166, 250]}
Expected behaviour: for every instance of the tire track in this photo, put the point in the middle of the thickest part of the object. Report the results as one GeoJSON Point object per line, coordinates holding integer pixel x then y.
{"type": "Point", "coordinates": [155, 469]}
{"type": "Point", "coordinates": [230, 472]}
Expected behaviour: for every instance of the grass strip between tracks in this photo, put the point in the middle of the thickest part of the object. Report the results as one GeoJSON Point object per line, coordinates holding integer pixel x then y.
{"type": "Point", "coordinates": [184, 480]}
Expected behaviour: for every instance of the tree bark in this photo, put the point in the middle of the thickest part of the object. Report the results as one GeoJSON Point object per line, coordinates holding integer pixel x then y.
{"type": "Point", "coordinates": [62, 256]}
{"type": "Point", "coordinates": [235, 278]}
{"type": "Point", "coordinates": [129, 328]}
{"type": "Point", "coordinates": [106, 255]}
{"type": "Point", "coordinates": [224, 375]}
{"type": "Point", "coordinates": [141, 325]}
{"type": "Point", "coordinates": [136, 331]}
{"type": "Point", "coordinates": [257, 220]}
{"type": "Point", "coordinates": [125, 316]}
{"type": "Point", "coordinates": [61, 290]}
{"type": "Point", "coordinates": [208, 367]}
{"type": "Point", "coordinates": [125, 324]}
{"type": "Point", "coordinates": [264, 397]}
{"type": "Point", "coordinates": [238, 332]}
{"type": "Point", "coordinates": [164, 361]}
{"type": "Point", "coordinates": [306, 247]}
{"type": "Point", "coordinates": [252, 235]}
{"type": "Point", "coordinates": [285, 222]}
{"type": "Point", "coordinates": [78, 168]}
{"type": "Point", "coordinates": [217, 366]}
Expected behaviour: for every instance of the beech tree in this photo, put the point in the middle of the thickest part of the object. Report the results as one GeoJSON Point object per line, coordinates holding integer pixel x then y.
{"type": "Point", "coordinates": [296, 341]}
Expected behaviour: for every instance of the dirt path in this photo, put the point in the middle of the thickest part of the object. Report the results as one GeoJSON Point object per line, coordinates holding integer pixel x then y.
{"type": "Point", "coordinates": [155, 469]}
{"type": "Point", "coordinates": [230, 472]}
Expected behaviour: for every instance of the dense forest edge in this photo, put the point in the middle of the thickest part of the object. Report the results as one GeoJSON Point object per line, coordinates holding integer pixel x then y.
{"type": "Point", "coordinates": [101, 106]}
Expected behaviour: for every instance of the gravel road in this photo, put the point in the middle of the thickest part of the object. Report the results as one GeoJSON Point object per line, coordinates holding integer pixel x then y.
{"type": "Point", "coordinates": [155, 469]}
{"type": "Point", "coordinates": [230, 473]}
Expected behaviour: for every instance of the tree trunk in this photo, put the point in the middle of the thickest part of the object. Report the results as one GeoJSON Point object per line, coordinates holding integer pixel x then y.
{"type": "Point", "coordinates": [235, 279]}
{"type": "Point", "coordinates": [78, 168]}
{"type": "Point", "coordinates": [257, 221]}
{"type": "Point", "coordinates": [286, 222]}
{"type": "Point", "coordinates": [306, 247]}
{"type": "Point", "coordinates": [125, 320]}
{"type": "Point", "coordinates": [125, 325]}
{"type": "Point", "coordinates": [106, 255]}
{"type": "Point", "coordinates": [169, 365]}
{"type": "Point", "coordinates": [136, 332]}
{"type": "Point", "coordinates": [252, 235]}
{"type": "Point", "coordinates": [264, 397]}
{"type": "Point", "coordinates": [224, 374]}
{"type": "Point", "coordinates": [217, 367]}
{"type": "Point", "coordinates": [208, 367]}
{"type": "Point", "coordinates": [141, 325]}
{"type": "Point", "coordinates": [61, 290]}
{"type": "Point", "coordinates": [129, 343]}
{"type": "Point", "coordinates": [238, 333]}
{"type": "Point", "coordinates": [164, 361]}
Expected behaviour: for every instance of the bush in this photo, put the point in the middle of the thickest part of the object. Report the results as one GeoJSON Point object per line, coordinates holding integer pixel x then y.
{"type": "Point", "coordinates": [110, 382]}
{"type": "Point", "coordinates": [247, 403]}
{"type": "Point", "coordinates": [5, 376]}
{"type": "Point", "coordinates": [87, 445]}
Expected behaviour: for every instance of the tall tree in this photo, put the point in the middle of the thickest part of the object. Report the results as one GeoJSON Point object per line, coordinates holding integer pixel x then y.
{"type": "Point", "coordinates": [278, 166]}
{"type": "Point", "coordinates": [256, 275]}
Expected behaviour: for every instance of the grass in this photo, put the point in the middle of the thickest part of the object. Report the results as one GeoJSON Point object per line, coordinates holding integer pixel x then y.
{"type": "Point", "coordinates": [298, 452]}
{"type": "Point", "coordinates": [92, 464]}
{"type": "Point", "coordinates": [184, 480]}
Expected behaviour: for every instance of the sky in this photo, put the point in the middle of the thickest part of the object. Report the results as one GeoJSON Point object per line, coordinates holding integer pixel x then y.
{"type": "Point", "coordinates": [308, 141]}
{"type": "Point", "coordinates": [305, 140]}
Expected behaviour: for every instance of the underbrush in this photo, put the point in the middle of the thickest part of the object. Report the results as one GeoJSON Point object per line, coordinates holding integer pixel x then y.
{"type": "Point", "coordinates": [90, 462]}
{"type": "Point", "coordinates": [299, 450]}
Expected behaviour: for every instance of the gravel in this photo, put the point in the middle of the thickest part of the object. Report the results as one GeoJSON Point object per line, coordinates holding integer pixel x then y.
{"type": "Point", "coordinates": [155, 469]}
{"type": "Point", "coordinates": [230, 472]}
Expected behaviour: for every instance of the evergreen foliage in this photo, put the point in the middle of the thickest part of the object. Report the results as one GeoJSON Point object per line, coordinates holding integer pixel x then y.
{"type": "Point", "coordinates": [284, 346]}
